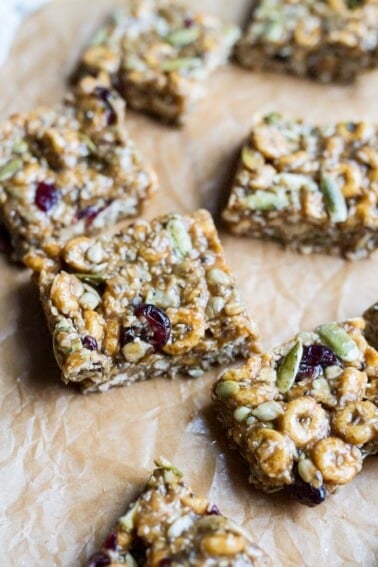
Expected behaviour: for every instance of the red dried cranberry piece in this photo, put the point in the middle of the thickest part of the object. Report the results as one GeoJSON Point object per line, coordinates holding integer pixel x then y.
{"type": "Point", "coordinates": [105, 95]}
{"type": "Point", "coordinates": [111, 542]}
{"type": "Point", "coordinates": [89, 213]}
{"type": "Point", "coordinates": [304, 493]}
{"type": "Point", "coordinates": [315, 359]}
{"type": "Point", "coordinates": [46, 196]}
{"type": "Point", "coordinates": [165, 562]}
{"type": "Point", "coordinates": [307, 371]}
{"type": "Point", "coordinates": [99, 559]}
{"type": "Point", "coordinates": [188, 22]}
{"type": "Point", "coordinates": [213, 510]}
{"type": "Point", "coordinates": [158, 322]}
{"type": "Point", "coordinates": [89, 342]}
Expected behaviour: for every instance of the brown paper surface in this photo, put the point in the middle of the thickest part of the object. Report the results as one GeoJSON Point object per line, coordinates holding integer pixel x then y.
{"type": "Point", "coordinates": [70, 464]}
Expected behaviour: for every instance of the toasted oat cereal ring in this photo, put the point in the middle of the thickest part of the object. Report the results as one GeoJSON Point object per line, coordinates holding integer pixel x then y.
{"type": "Point", "coordinates": [270, 141]}
{"type": "Point", "coordinates": [305, 421]}
{"type": "Point", "coordinates": [372, 390]}
{"type": "Point", "coordinates": [155, 251]}
{"type": "Point", "coordinates": [83, 254]}
{"type": "Point", "coordinates": [351, 176]}
{"type": "Point", "coordinates": [274, 453]}
{"type": "Point", "coordinates": [351, 385]}
{"type": "Point", "coordinates": [357, 422]}
{"type": "Point", "coordinates": [338, 461]}
{"type": "Point", "coordinates": [65, 292]}
{"type": "Point", "coordinates": [191, 325]}
{"type": "Point", "coordinates": [256, 394]}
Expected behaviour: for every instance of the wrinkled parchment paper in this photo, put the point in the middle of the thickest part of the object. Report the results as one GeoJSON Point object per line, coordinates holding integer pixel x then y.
{"type": "Point", "coordinates": [69, 464]}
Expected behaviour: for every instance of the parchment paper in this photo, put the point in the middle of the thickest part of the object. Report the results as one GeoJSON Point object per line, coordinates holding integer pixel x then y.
{"type": "Point", "coordinates": [69, 464]}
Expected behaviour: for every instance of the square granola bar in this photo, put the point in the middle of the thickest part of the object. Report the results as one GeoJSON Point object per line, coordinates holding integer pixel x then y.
{"type": "Point", "coordinates": [155, 300]}
{"type": "Point", "coordinates": [168, 526]}
{"type": "Point", "coordinates": [71, 169]}
{"type": "Point", "coordinates": [327, 40]}
{"type": "Point", "coordinates": [305, 415]}
{"type": "Point", "coordinates": [312, 188]}
{"type": "Point", "coordinates": [159, 55]}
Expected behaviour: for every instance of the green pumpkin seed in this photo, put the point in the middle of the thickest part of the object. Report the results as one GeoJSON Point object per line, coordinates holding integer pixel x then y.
{"type": "Point", "coordinates": [100, 37]}
{"type": "Point", "coordinates": [241, 413]}
{"type": "Point", "coordinates": [268, 411]}
{"type": "Point", "coordinates": [130, 561]}
{"type": "Point", "coordinates": [226, 389]}
{"type": "Point", "coordinates": [163, 463]}
{"type": "Point", "coordinates": [180, 63]}
{"type": "Point", "coordinates": [133, 63]}
{"type": "Point", "coordinates": [10, 169]}
{"type": "Point", "coordinates": [307, 470]}
{"type": "Point", "coordinates": [339, 341]}
{"type": "Point", "coordinates": [266, 201]}
{"type": "Point", "coordinates": [273, 30]}
{"type": "Point", "coordinates": [252, 160]}
{"type": "Point", "coordinates": [127, 521]}
{"type": "Point", "coordinates": [334, 199]}
{"type": "Point", "coordinates": [273, 118]}
{"type": "Point", "coordinates": [289, 367]}
{"type": "Point", "coordinates": [180, 237]}
{"type": "Point", "coordinates": [184, 36]}
{"type": "Point", "coordinates": [20, 147]}
{"type": "Point", "coordinates": [75, 345]}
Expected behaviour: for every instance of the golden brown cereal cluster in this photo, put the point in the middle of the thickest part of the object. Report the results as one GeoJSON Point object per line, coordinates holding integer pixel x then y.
{"type": "Point", "coordinates": [313, 188]}
{"type": "Point", "coordinates": [305, 415]}
{"type": "Point", "coordinates": [70, 169]}
{"type": "Point", "coordinates": [154, 300]}
{"type": "Point", "coordinates": [168, 526]}
{"type": "Point", "coordinates": [327, 40]}
{"type": "Point", "coordinates": [159, 55]}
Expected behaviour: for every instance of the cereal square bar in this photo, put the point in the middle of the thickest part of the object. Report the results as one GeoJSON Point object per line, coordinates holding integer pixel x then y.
{"type": "Point", "coordinates": [159, 55]}
{"type": "Point", "coordinates": [69, 170]}
{"type": "Point", "coordinates": [168, 526]}
{"type": "Point", "coordinates": [155, 300]}
{"type": "Point", "coordinates": [328, 40]}
{"type": "Point", "coordinates": [312, 188]}
{"type": "Point", "coordinates": [305, 415]}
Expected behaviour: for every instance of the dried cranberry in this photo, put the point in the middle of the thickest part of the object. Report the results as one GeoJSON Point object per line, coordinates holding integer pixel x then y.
{"type": "Point", "coordinates": [213, 510]}
{"type": "Point", "coordinates": [165, 562]}
{"type": "Point", "coordinates": [157, 321]}
{"type": "Point", "coordinates": [89, 342]}
{"type": "Point", "coordinates": [188, 22]}
{"type": "Point", "coordinates": [111, 542]}
{"type": "Point", "coordinates": [46, 196]}
{"type": "Point", "coordinates": [105, 95]}
{"type": "Point", "coordinates": [89, 213]}
{"type": "Point", "coordinates": [315, 359]}
{"type": "Point", "coordinates": [99, 559]}
{"type": "Point", "coordinates": [304, 493]}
